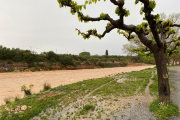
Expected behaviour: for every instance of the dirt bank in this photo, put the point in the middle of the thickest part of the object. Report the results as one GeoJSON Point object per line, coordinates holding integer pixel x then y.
{"type": "Point", "coordinates": [10, 83]}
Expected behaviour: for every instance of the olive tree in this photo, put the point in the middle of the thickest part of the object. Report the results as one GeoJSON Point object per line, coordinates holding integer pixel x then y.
{"type": "Point", "coordinates": [160, 30]}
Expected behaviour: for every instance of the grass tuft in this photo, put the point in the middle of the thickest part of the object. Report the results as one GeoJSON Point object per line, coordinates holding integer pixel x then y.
{"type": "Point", "coordinates": [7, 100]}
{"type": "Point", "coordinates": [47, 86]}
{"type": "Point", "coordinates": [164, 111]}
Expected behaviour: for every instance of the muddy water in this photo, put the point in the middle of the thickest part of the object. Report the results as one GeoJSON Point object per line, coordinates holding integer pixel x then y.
{"type": "Point", "coordinates": [10, 83]}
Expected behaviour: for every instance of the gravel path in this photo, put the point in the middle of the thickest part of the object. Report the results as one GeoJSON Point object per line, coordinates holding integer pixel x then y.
{"type": "Point", "coordinates": [175, 78]}
{"type": "Point", "coordinates": [11, 82]}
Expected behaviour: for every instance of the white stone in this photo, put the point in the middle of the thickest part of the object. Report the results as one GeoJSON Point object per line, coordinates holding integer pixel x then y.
{"type": "Point", "coordinates": [24, 107]}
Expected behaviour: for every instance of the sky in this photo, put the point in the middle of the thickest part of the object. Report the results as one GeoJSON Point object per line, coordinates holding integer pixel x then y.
{"type": "Point", "coordinates": [41, 26]}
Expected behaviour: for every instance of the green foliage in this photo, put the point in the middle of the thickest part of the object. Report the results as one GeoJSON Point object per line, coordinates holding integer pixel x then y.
{"type": "Point", "coordinates": [136, 1]}
{"type": "Point", "coordinates": [47, 86]}
{"type": "Point", "coordinates": [53, 60]}
{"type": "Point", "coordinates": [141, 11]}
{"type": "Point", "coordinates": [126, 34]}
{"type": "Point", "coordinates": [94, 60]}
{"type": "Point", "coordinates": [163, 111]}
{"type": "Point", "coordinates": [26, 90]}
{"type": "Point", "coordinates": [102, 16]}
{"type": "Point", "coordinates": [106, 53]}
{"type": "Point", "coordinates": [66, 60]}
{"type": "Point", "coordinates": [86, 108]}
{"type": "Point", "coordinates": [152, 4]}
{"type": "Point", "coordinates": [142, 26]}
{"type": "Point", "coordinates": [167, 23]}
{"type": "Point", "coordinates": [117, 11]}
{"type": "Point", "coordinates": [127, 13]}
{"type": "Point", "coordinates": [108, 24]}
{"type": "Point", "coordinates": [85, 54]}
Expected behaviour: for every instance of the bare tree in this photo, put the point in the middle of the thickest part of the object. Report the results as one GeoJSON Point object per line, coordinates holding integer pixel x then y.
{"type": "Point", "coordinates": [160, 29]}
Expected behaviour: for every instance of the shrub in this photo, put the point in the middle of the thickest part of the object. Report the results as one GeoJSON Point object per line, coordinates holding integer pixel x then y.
{"type": "Point", "coordinates": [86, 54]}
{"type": "Point", "coordinates": [17, 98]}
{"type": "Point", "coordinates": [26, 90]}
{"type": "Point", "coordinates": [7, 100]}
{"type": "Point", "coordinates": [53, 60]}
{"type": "Point", "coordinates": [124, 63]}
{"type": "Point", "coordinates": [86, 108]}
{"type": "Point", "coordinates": [66, 61]}
{"type": "Point", "coordinates": [47, 86]}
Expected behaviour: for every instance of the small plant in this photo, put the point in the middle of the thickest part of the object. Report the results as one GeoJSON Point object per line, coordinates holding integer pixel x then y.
{"type": "Point", "coordinates": [26, 90]}
{"type": "Point", "coordinates": [7, 100]}
{"type": "Point", "coordinates": [86, 108]}
{"type": "Point", "coordinates": [47, 86]}
{"type": "Point", "coordinates": [122, 116]}
{"type": "Point", "coordinates": [17, 98]}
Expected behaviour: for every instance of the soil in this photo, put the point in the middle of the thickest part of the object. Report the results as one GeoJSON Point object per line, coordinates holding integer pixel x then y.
{"type": "Point", "coordinates": [11, 82]}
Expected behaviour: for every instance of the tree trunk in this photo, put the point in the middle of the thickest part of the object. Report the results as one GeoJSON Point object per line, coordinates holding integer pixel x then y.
{"type": "Point", "coordinates": [163, 83]}
{"type": "Point", "coordinates": [167, 60]}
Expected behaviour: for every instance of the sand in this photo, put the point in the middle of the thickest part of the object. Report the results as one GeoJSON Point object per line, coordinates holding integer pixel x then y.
{"type": "Point", "coordinates": [10, 83]}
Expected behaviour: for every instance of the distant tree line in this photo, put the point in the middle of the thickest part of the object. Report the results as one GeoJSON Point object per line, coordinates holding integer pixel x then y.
{"type": "Point", "coordinates": [17, 55]}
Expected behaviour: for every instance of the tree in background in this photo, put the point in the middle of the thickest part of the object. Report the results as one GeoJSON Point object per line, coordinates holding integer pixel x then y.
{"type": "Point", "coordinates": [85, 54]}
{"type": "Point", "coordinates": [106, 53]}
{"type": "Point", "coordinates": [157, 44]}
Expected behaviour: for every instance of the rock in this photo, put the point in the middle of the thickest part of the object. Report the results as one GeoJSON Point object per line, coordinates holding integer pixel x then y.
{"type": "Point", "coordinates": [24, 107]}
{"type": "Point", "coordinates": [120, 80]}
{"type": "Point", "coordinates": [18, 107]}
{"type": "Point", "coordinates": [17, 110]}
{"type": "Point", "coordinates": [94, 97]}
{"type": "Point", "coordinates": [6, 108]}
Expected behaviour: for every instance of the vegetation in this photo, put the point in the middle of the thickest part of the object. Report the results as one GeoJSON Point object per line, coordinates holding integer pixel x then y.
{"type": "Point", "coordinates": [156, 46]}
{"type": "Point", "coordinates": [47, 86]}
{"type": "Point", "coordinates": [106, 53]}
{"type": "Point", "coordinates": [85, 54]}
{"type": "Point", "coordinates": [134, 83]}
{"type": "Point", "coordinates": [162, 110]}
{"type": "Point", "coordinates": [107, 90]}
{"type": "Point", "coordinates": [26, 90]}
{"type": "Point", "coordinates": [46, 60]}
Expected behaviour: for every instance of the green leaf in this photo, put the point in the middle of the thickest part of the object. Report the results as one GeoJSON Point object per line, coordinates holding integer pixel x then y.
{"type": "Point", "coordinates": [102, 16]}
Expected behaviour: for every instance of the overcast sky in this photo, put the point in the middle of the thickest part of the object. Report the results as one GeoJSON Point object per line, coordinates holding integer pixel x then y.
{"type": "Point", "coordinates": [41, 25]}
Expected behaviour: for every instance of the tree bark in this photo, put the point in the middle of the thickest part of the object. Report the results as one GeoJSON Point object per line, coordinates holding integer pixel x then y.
{"type": "Point", "coordinates": [167, 60]}
{"type": "Point", "coordinates": [163, 82]}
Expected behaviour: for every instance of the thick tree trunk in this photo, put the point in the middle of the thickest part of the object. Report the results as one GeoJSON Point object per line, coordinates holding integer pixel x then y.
{"type": "Point", "coordinates": [167, 60]}
{"type": "Point", "coordinates": [163, 83]}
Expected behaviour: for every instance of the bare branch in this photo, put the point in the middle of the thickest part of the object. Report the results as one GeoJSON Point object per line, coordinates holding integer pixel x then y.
{"type": "Point", "coordinates": [175, 25]}
{"type": "Point", "coordinates": [119, 3]}
{"type": "Point", "coordinates": [168, 36]}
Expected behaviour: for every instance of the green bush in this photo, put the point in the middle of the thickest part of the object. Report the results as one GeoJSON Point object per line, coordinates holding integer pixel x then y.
{"type": "Point", "coordinates": [26, 90]}
{"type": "Point", "coordinates": [85, 54]}
{"type": "Point", "coordinates": [47, 86]}
{"type": "Point", "coordinates": [66, 61]}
